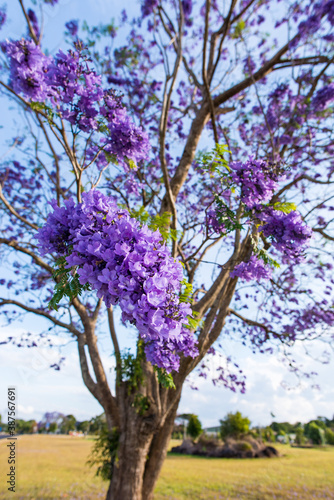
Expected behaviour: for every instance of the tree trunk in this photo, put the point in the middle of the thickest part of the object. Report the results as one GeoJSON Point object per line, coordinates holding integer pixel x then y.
{"type": "Point", "coordinates": [128, 471]}
{"type": "Point", "coordinates": [157, 454]}
{"type": "Point", "coordinates": [142, 448]}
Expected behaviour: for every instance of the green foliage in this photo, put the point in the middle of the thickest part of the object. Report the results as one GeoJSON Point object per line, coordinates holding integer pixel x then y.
{"type": "Point", "coordinates": [131, 367]}
{"type": "Point", "coordinates": [164, 378]}
{"type": "Point", "coordinates": [214, 161]}
{"type": "Point", "coordinates": [240, 26]}
{"type": "Point", "coordinates": [186, 295]}
{"type": "Point", "coordinates": [282, 427]}
{"type": "Point", "coordinates": [97, 424]}
{"type": "Point", "coordinates": [68, 424]}
{"type": "Point", "coordinates": [141, 403]}
{"type": "Point", "coordinates": [234, 425]}
{"type": "Point", "coordinates": [41, 107]}
{"type": "Point", "coordinates": [194, 427]}
{"type": "Point", "coordinates": [285, 207]}
{"type": "Point", "coordinates": [268, 435]}
{"type": "Point", "coordinates": [243, 446]}
{"type": "Point", "coordinates": [24, 427]}
{"type": "Point", "coordinates": [84, 426]}
{"type": "Point", "coordinates": [67, 284]}
{"type": "Point", "coordinates": [226, 216]}
{"type": "Point", "coordinates": [104, 453]}
{"type": "Point", "coordinates": [53, 427]}
{"type": "Point", "coordinates": [315, 432]}
{"type": "Point", "coordinates": [156, 222]}
{"type": "Point", "coordinates": [300, 436]}
{"type": "Point", "coordinates": [329, 436]}
{"type": "Point", "coordinates": [263, 254]}
{"type": "Point", "coordinates": [187, 292]}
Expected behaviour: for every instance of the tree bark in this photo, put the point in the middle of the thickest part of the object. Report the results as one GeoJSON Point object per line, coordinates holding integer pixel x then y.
{"type": "Point", "coordinates": [136, 430]}
{"type": "Point", "coordinates": [142, 446]}
{"type": "Point", "coordinates": [157, 454]}
{"type": "Point", "coordinates": [128, 470]}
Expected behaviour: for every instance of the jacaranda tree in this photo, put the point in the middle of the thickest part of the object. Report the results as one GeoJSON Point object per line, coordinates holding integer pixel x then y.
{"type": "Point", "coordinates": [182, 177]}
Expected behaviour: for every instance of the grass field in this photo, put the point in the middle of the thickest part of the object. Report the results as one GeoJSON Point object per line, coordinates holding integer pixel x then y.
{"type": "Point", "coordinates": [53, 468]}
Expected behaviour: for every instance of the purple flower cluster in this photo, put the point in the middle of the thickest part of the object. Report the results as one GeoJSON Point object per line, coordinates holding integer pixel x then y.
{"type": "Point", "coordinates": [213, 222]}
{"type": "Point", "coordinates": [127, 265]}
{"type": "Point", "coordinates": [34, 22]}
{"type": "Point", "coordinates": [72, 27]}
{"type": "Point", "coordinates": [323, 97]}
{"type": "Point", "coordinates": [28, 67]}
{"type": "Point", "coordinates": [257, 179]}
{"type": "Point", "coordinates": [3, 17]}
{"type": "Point", "coordinates": [254, 269]}
{"type": "Point", "coordinates": [148, 7]}
{"type": "Point", "coordinates": [287, 232]}
{"type": "Point", "coordinates": [75, 91]}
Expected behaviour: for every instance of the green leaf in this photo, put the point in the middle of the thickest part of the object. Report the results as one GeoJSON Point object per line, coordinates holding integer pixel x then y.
{"type": "Point", "coordinates": [214, 161]}
{"type": "Point", "coordinates": [226, 216]}
{"type": "Point", "coordinates": [186, 292]}
{"type": "Point", "coordinates": [285, 207]}
{"type": "Point", "coordinates": [164, 378]}
{"type": "Point", "coordinates": [156, 222]}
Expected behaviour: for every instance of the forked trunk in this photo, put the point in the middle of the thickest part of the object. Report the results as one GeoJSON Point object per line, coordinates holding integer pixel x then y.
{"type": "Point", "coordinates": [142, 449]}
{"type": "Point", "coordinates": [128, 471]}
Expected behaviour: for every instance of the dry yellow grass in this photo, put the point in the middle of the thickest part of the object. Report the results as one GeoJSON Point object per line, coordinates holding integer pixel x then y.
{"type": "Point", "coordinates": [54, 467]}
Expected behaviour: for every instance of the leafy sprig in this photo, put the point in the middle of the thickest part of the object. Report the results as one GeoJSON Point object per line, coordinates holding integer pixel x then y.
{"type": "Point", "coordinates": [67, 285]}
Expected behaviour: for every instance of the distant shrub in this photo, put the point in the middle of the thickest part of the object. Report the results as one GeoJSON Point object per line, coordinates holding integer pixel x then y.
{"type": "Point", "coordinates": [268, 435]}
{"type": "Point", "coordinates": [300, 436]}
{"type": "Point", "coordinates": [329, 436]}
{"type": "Point", "coordinates": [315, 433]}
{"type": "Point", "coordinates": [243, 446]}
{"type": "Point", "coordinates": [194, 428]}
{"type": "Point", "coordinates": [234, 425]}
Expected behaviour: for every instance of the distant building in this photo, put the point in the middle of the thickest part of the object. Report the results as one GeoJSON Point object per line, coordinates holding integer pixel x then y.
{"type": "Point", "coordinates": [212, 431]}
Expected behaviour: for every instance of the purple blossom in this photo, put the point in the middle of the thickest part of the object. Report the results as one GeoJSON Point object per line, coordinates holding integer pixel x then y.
{"type": "Point", "coordinates": [148, 7]}
{"type": "Point", "coordinates": [28, 66]}
{"type": "Point", "coordinates": [75, 92]}
{"type": "Point", "coordinates": [34, 22]}
{"type": "Point", "coordinates": [287, 232]}
{"type": "Point", "coordinates": [323, 97]}
{"type": "Point", "coordinates": [254, 269]}
{"type": "Point", "coordinates": [213, 222]}
{"type": "Point", "coordinates": [127, 265]}
{"type": "Point", "coordinates": [187, 6]}
{"type": "Point", "coordinates": [257, 179]}
{"type": "Point", "coordinates": [72, 27]}
{"type": "Point", "coordinates": [3, 17]}
{"type": "Point", "coordinates": [127, 140]}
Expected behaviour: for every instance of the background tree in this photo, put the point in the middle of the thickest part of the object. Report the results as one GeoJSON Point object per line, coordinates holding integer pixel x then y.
{"type": "Point", "coordinates": [315, 433]}
{"type": "Point", "coordinates": [84, 426]}
{"type": "Point", "coordinates": [329, 436]}
{"type": "Point", "coordinates": [268, 435]}
{"type": "Point", "coordinates": [234, 425]}
{"type": "Point", "coordinates": [53, 427]}
{"type": "Point", "coordinates": [68, 424]}
{"type": "Point", "coordinates": [194, 427]}
{"type": "Point", "coordinates": [300, 436]}
{"type": "Point", "coordinates": [193, 78]}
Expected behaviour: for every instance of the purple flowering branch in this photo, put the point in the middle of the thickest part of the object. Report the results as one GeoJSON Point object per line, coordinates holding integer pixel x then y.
{"type": "Point", "coordinates": [32, 31]}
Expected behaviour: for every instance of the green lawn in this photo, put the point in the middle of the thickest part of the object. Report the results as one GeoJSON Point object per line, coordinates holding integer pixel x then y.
{"type": "Point", "coordinates": [53, 467]}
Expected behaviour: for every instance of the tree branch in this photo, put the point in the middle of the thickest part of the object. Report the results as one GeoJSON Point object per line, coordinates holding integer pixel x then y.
{"type": "Point", "coordinates": [71, 328]}
{"type": "Point", "coordinates": [37, 260]}
{"type": "Point", "coordinates": [14, 212]}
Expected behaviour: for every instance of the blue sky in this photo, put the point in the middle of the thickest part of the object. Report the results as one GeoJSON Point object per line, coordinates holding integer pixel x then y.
{"type": "Point", "coordinates": [42, 389]}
